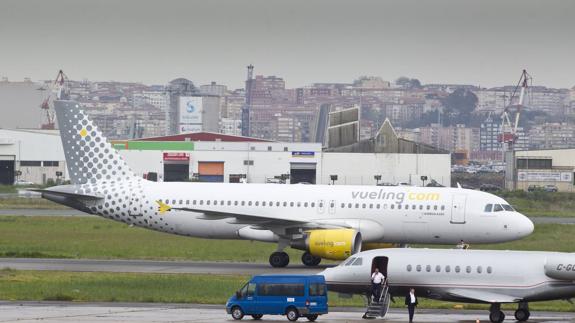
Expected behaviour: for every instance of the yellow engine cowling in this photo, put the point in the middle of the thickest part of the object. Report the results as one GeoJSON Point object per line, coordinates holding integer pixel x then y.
{"type": "Point", "coordinates": [334, 244]}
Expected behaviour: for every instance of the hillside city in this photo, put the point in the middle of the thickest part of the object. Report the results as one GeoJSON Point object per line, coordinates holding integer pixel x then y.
{"type": "Point", "coordinates": [454, 117]}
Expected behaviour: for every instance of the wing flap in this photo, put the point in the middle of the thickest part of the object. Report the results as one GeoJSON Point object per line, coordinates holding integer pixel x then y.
{"type": "Point", "coordinates": [483, 296]}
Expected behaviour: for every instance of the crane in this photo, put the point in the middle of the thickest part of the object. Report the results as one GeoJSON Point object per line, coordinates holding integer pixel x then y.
{"type": "Point", "coordinates": [58, 90]}
{"type": "Point", "coordinates": [508, 135]}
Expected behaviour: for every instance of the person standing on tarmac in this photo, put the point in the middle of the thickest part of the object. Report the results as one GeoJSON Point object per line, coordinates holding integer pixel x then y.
{"type": "Point", "coordinates": [377, 279]}
{"type": "Point", "coordinates": [411, 302]}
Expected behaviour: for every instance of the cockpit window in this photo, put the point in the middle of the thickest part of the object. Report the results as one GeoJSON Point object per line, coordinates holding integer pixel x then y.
{"type": "Point", "coordinates": [488, 207]}
{"type": "Point", "coordinates": [357, 262]}
{"type": "Point", "coordinates": [348, 262]}
{"type": "Point", "coordinates": [508, 207]}
{"type": "Point", "coordinates": [497, 208]}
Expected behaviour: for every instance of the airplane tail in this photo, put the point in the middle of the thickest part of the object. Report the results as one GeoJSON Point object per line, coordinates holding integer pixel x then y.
{"type": "Point", "coordinates": [89, 157]}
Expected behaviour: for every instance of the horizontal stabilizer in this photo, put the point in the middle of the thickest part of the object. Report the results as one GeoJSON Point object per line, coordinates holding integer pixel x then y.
{"type": "Point", "coordinates": [483, 296]}
{"type": "Point", "coordinates": [66, 194]}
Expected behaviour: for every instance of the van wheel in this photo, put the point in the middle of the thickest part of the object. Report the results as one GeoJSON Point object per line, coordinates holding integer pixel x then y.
{"type": "Point", "coordinates": [312, 317]}
{"type": "Point", "coordinates": [237, 313]}
{"type": "Point", "coordinates": [292, 314]}
{"type": "Point", "coordinates": [257, 316]}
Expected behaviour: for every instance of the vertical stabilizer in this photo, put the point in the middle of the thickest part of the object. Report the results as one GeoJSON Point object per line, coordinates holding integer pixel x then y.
{"type": "Point", "coordinates": [89, 157]}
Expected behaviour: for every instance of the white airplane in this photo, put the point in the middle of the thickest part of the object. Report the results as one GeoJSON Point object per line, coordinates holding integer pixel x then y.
{"type": "Point", "coordinates": [331, 222]}
{"type": "Point", "coordinates": [468, 276]}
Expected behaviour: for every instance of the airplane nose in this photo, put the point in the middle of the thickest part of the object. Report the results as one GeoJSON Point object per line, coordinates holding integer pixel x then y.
{"type": "Point", "coordinates": [526, 226]}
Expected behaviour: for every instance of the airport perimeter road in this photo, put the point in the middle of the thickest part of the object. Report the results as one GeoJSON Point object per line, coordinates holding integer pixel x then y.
{"type": "Point", "coordinates": [151, 266]}
{"type": "Point", "coordinates": [52, 312]}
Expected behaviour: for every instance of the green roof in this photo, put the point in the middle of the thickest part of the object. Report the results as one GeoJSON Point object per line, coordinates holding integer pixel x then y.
{"type": "Point", "coordinates": [154, 145]}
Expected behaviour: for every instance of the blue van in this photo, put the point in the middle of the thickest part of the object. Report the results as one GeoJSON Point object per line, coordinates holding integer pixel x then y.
{"type": "Point", "coordinates": [291, 295]}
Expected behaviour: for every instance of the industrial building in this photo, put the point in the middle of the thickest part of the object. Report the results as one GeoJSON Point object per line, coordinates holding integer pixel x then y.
{"type": "Point", "coordinates": [214, 157]}
{"type": "Point", "coordinates": [31, 155]}
{"type": "Point", "coordinates": [537, 168]}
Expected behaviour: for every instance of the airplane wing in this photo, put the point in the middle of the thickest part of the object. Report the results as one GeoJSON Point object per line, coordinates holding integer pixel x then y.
{"type": "Point", "coordinates": [483, 296]}
{"type": "Point", "coordinates": [258, 221]}
{"type": "Point", "coordinates": [66, 194]}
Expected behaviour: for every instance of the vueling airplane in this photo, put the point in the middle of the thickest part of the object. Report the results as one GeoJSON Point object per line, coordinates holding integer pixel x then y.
{"type": "Point", "coordinates": [467, 276]}
{"type": "Point", "coordinates": [331, 222]}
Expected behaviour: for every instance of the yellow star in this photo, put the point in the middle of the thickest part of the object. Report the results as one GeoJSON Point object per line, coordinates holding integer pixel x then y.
{"type": "Point", "coordinates": [163, 207]}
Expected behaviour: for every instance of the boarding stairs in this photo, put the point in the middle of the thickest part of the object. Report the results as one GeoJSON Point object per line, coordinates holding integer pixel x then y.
{"type": "Point", "coordinates": [378, 307]}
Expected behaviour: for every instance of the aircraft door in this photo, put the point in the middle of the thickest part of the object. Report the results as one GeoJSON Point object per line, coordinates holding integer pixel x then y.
{"type": "Point", "coordinates": [332, 207]}
{"type": "Point", "coordinates": [381, 264]}
{"type": "Point", "coordinates": [320, 206]}
{"type": "Point", "coordinates": [458, 208]}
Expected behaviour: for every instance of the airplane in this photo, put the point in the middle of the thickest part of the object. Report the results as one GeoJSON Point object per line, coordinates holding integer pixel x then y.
{"type": "Point", "coordinates": [326, 221]}
{"type": "Point", "coordinates": [467, 276]}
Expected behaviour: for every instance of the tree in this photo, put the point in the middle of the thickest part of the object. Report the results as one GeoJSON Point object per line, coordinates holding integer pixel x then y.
{"type": "Point", "coordinates": [407, 83]}
{"type": "Point", "coordinates": [459, 106]}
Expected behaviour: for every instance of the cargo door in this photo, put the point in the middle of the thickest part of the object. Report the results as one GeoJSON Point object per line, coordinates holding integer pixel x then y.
{"type": "Point", "coordinates": [458, 208]}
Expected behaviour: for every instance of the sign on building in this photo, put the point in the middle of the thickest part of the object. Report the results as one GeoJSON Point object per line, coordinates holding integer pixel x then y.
{"type": "Point", "coordinates": [531, 176]}
{"type": "Point", "coordinates": [191, 110]}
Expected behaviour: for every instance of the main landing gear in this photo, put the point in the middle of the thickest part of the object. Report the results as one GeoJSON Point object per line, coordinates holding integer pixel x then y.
{"type": "Point", "coordinates": [522, 314]}
{"type": "Point", "coordinates": [279, 259]}
{"type": "Point", "coordinates": [495, 313]}
{"type": "Point", "coordinates": [310, 260]}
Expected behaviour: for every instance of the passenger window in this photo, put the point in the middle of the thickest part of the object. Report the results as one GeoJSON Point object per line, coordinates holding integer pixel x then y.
{"type": "Point", "coordinates": [497, 208]}
{"type": "Point", "coordinates": [291, 204]}
{"type": "Point", "coordinates": [357, 262]}
{"type": "Point", "coordinates": [243, 203]}
{"type": "Point", "coordinates": [194, 202]}
{"type": "Point", "coordinates": [363, 206]}
{"type": "Point", "coordinates": [249, 203]}
{"type": "Point", "coordinates": [409, 268]}
{"type": "Point", "coordinates": [349, 205]}
{"type": "Point", "coordinates": [173, 201]}
{"type": "Point", "coordinates": [399, 206]}
{"type": "Point", "coordinates": [488, 208]}
{"type": "Point", "coordinates": [489, 270]}
{"type": "Point", "coordinates": [428, 268]}
{"type": "Point", "coordinates": [442, 207]}
{"type": "Point", "coordinates": [378, 206]}
{"type": "Point", "coordinates": [392, 206]}
{"type": "Point", "coordinates": [413, 207]}
{"type": "Point", "coordinates": [167, 201]}
{"type": "Point", "coordinates": [312, 204]}
{"type": "Point", "coordinates": [371, 206]}
{"type": "Point", "coordinates": [229, 202]}
{"type": "Point", "coordinates": [201, 202]}
{"type": "Point", "coordinates": [285, 204]}
{"type": "Point", "coordinates": [448, 269]}
{"type": "Point", "coordinates": [435, 207]}
{"type": "Point", "coordinates": [428, 207]}
{"type": "Point", "coordinates": [418, 268]}
{"type": "Point", "coordinates": [342, 205]}
{"type": "Point", "coordinates": [357, 205]}
{"type": "Point", "coordinates": [264, 203]}
{"type": "Point", "coordinates": [421, 207]}
{"type": "Point", "coordinates": [468, 269]}
{"type": "Point", "coordinates": [479, 269]}
{"type": "Point", "coordinates": [187, 202]}
{"type": "Point", "coordinates": [457, 269]}
{"type": "Point", "coordinates": [331, 205]}
{"type": "Point", "coordinates": [215, 202]}
{"type": "Point", "coordinates": [305, 204]}
{"type": "Point", "coordinates": [438, 268]}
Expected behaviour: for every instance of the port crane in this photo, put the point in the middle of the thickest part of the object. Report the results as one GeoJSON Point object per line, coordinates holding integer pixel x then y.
{"type": "Point", "coordinates": [508, 136]}
{"type": "Point", "coordinates": [58, 90]}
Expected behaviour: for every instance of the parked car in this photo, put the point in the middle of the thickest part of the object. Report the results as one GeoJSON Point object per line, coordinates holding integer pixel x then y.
{"type": "Point", "coordinates": [550, 188]}
{"type": "Point", "coordinates": [489, 188]}
{"type": "Point", "coordinates": [533, 188]}
{"type": "Point", "coordinates": [22, 182]}
{"type": "Point", "coordinates": [291, 295]}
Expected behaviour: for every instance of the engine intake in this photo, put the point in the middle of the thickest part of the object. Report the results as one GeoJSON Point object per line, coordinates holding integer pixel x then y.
{"type": "Point", "coordinates": [334, 244]}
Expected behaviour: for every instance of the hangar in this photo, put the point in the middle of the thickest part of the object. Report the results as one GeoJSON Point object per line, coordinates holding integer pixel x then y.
{"type": "Point", "coordinates": [211, 157]}
{"type": "Point", "coordinates": [537, 168]}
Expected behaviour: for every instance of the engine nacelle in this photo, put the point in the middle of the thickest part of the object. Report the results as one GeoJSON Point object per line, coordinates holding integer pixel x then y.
{"type": "Point", "coordinates": [561, 267]}
{"type": "Point", "coordinates": [334, 244]}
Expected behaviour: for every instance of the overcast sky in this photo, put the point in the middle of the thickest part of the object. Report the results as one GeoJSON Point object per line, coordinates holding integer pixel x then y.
{"type": "Point", "coordinates": [484, 43]}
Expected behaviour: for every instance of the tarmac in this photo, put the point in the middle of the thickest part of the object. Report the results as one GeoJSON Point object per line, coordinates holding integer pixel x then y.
{"type": "Point", "coordinates": [52, 312]}
{"type": "Point", "coordinates": [152, 266]}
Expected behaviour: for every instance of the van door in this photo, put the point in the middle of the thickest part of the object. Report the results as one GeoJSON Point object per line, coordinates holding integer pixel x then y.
{"type": "Point", "coordinates": [317, 296]}
{"type": "Point", "coordinates": [458, 208]}
{"type": "Point", "coordinates": [248, 301]}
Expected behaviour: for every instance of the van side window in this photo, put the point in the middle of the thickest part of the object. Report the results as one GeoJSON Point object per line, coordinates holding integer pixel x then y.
{"type": "Point", "coordinates": [316, 289]}
{"type": "Point", "coordinates": [270, 289]}
{"type": "Point", "coordinates": [488, 208]}
{"type": "Point", "coordinates": [251, 289]}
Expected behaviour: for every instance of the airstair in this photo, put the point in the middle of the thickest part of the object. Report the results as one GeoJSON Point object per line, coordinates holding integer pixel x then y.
{"type": "Point", "coordinates": [378, 307]}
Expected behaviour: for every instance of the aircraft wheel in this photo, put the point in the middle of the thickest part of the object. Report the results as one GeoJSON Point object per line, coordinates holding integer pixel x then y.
{"type": "Point", "coordinates": [496, 317]}
{"type": "Point", "coordinates": [310, 260]}
{"type": "Point", "coordinates": [522, 315]}
{"type": "Point", "coordinates": [279, 259]}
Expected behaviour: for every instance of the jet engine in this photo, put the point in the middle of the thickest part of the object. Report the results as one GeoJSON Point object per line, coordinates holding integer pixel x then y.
{"type": "Point", "coordinates": [560, 267]}
{"type": "Point", "coordinates": [334, 244]}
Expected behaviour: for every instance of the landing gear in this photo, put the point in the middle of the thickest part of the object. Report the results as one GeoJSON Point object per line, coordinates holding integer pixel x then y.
{"type": "Point", "coordinates": [310, 260]}
{"type": "Point", "coordinates": [522, 314]}
{"type": "Point", "coordinates": [279, 259]}
{"type": "Point", "coordinates": [495, 313]}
